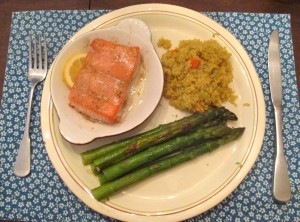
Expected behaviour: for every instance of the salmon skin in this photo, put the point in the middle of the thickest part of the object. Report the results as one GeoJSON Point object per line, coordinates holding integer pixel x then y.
{"type": "Point", "coordinates": [102, 85]}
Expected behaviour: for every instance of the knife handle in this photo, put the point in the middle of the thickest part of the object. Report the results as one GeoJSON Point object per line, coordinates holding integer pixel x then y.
{"type": "Point", "coordinates": [281, 183]}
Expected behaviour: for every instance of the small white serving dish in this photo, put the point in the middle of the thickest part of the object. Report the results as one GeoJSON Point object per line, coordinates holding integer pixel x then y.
{"type": "Point", "coordinates": [143, 98]}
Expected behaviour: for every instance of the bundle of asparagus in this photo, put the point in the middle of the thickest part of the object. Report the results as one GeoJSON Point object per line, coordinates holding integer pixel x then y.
{"type": "Point", "coordinates": [130, 160]}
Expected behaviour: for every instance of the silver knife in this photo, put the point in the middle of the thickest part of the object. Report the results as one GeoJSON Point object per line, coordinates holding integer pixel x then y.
{"type": "Point", "coordinates": [281, 184]}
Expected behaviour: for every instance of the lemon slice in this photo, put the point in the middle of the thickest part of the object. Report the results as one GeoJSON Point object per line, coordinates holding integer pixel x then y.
{"type": "Point", "coordinates": [72, 68]}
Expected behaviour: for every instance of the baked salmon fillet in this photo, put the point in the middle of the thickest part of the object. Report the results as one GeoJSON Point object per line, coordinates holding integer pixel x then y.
{"type": "Point", "coordinates": [102, 85]}
{"type": "Point", "coordinates": [116, 60]}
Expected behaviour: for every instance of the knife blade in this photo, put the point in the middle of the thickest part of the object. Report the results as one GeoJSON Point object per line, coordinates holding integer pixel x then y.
{"type": "Point", "coordinates": [281, 189]}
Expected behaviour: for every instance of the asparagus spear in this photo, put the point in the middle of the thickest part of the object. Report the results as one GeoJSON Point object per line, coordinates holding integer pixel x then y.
{"type": "Point", "coordinates": [160, 150]}
{"type": "Point", "coordinates": [107, 189]}
{"type": "Point", "coordinates": [157, 134]}
{"type": "Point", "coordinates": [124, 152]}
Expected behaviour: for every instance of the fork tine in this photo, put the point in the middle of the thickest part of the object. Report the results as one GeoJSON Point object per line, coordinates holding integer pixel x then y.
{"type": "Point", "coordinates": [34, 53]}
{"type": "Point", "coordinates": [40, 53]}
{"type": "Point", "coordinates": [30, 55]}
{"type": "Point", "coordinates": [46, 53]}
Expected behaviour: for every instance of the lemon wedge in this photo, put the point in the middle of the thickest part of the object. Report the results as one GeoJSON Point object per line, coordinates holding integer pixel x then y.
{"type": "Point", "coordinates": [72, 68]}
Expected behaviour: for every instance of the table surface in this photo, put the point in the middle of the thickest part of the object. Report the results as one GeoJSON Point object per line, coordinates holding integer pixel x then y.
{"type": "Point", "coordinates": [267, 6]}
{"type": "Point", "coordinates": [291, 7]}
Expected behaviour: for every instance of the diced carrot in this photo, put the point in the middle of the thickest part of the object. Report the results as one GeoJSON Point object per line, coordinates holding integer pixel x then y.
{"type": "Point", "coordinates": [195, 62]}
{"type": "Point", "coordinates": [174, 50]}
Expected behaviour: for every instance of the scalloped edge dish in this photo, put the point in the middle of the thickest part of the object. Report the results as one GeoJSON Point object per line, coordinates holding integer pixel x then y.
{"type": "Point", "coordinates": [144, 93]}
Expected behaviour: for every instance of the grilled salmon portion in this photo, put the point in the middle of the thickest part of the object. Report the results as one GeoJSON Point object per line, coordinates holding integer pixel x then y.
{"type": "Point", "coordinates": [101, 87]}
{"type": "Point", "coordinates": [118, 60]}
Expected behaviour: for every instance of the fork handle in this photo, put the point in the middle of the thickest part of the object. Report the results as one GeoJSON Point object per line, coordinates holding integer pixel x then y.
{"type": "Point", "coordinates": [281, 182]}
{"type": "Point", "coordinates": [22, 164]}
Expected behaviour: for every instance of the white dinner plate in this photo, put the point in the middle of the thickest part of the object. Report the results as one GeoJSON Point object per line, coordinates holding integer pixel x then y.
{"type": "Point", "coordinates": [191, 188]}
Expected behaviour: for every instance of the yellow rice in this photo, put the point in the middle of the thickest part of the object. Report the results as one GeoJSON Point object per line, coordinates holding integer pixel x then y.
{"type": "Point", "coordinates": [197, 89]}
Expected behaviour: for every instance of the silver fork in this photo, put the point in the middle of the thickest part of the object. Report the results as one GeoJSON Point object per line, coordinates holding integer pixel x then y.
{"type": "Point", "coordinates": [36, 73]}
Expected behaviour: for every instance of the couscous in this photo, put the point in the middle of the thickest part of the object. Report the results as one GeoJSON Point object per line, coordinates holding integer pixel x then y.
{"type": "Point", "coordinates": [164, 43]}
{"type": "Point", "coordinates": [197, 75]}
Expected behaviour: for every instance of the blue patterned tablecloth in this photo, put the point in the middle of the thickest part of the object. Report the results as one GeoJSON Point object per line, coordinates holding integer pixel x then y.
{"type": "Point", "coordinates": [42, 196]}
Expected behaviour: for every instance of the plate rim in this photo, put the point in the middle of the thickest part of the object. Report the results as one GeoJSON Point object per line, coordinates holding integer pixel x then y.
{"type": "Point", "coordinates": [244, 170]}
